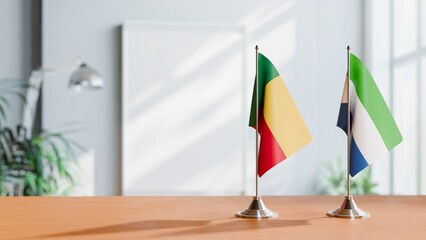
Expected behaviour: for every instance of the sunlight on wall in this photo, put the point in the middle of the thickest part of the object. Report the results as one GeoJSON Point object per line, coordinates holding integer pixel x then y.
{"type": "Point", "coordinates": [191, 123]}
{"type": "Point", "coordinates": [207, 50]}
{"type": "Point", "coordinates": [406, 115]}
{"type": "Point", "coordinates": [405, 22]}
{"type": "Point", "coordinates": [279, 44]}
{"type": "Point", "coordinates": [265, 13]}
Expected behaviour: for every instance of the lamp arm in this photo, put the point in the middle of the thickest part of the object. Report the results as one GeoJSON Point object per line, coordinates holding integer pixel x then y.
{"type": "Point", "coordinates": [31, 100]}
{"type": "Point", "coordinates": [48, 71]}
{"type": "Point", "coordinates": [83, 76]}
{"type": "Point", "coordinates": [33, 93]}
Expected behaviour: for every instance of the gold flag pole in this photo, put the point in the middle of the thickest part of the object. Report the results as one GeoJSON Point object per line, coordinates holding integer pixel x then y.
{"type": "Point", "coordinates": [257, 208]}
{"type": "Point", "coordinates": [348, 209]}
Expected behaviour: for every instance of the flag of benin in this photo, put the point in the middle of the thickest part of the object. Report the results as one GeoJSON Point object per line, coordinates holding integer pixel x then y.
{"type": "Point", "coordinates": [281, 127]}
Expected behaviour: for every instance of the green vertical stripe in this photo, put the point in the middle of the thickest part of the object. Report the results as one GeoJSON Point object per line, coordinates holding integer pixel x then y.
{"type": "Point", "coordinates": [267, 72]}
{"type": "Point", "coordinates": [370, 96]}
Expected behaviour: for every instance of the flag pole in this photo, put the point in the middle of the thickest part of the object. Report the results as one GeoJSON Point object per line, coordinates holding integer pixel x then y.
{"type": "Point", "coordinates": [349, 208]}
{"type": "Point", "coordinates": [257, 208]}
{"type": "Point", "coordinates": [257, 121]}
{"type": "Point", "coordinates": [348, 124]}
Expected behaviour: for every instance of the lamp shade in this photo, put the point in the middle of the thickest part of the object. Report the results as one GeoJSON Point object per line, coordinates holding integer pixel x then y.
{"type": "Point", "coordinates": [86, 77]}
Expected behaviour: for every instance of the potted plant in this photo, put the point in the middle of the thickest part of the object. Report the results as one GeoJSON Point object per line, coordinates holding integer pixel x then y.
{"type": "Point", "coordinates": [36, 164]}
{"type": "Point", "coordinates": [333, 180]}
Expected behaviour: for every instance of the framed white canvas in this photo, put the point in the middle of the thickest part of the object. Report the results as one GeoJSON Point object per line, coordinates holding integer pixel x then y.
{"type": "Point", "coordinates": [183, 110]}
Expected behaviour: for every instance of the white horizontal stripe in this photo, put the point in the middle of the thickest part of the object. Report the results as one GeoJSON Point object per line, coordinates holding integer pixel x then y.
{"type": "Point", "coordinates": [364, 132]}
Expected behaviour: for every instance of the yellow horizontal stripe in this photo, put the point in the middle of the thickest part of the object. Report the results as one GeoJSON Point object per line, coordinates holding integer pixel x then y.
{"type": "Point", "coordinates": [283, 117]}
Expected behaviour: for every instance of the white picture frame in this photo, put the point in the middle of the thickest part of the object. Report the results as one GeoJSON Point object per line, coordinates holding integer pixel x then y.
{"type": "Point", "coordinates": [202, 152]}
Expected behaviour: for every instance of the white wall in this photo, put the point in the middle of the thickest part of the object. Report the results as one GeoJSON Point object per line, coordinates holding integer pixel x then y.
{"type": "Point", "coordinates": [15, 47]}
{"type": "Point", "coordinates": [305, 39]}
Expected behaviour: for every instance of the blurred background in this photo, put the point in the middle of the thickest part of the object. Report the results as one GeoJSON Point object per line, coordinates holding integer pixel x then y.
{"type": "Point", "coordinates": [173, 83]}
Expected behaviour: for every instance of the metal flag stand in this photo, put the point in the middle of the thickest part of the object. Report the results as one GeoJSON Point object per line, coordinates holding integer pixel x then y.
{"type": "Point", "coordinates": [348, 209]}
{"type": "Point", "coordinates": [257, 208]}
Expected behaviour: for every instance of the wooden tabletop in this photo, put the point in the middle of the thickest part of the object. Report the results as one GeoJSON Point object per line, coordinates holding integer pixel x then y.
{"type": "Point", "coordinates": [302, 217]}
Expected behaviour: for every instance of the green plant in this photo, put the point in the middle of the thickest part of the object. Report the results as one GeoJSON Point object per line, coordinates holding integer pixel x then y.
{"type": "Point", "coordinates": [333, 180]}
{"type": "Point", "coordinates": [40, 165]}
{"type": "Point", "coordinates": [37, 165]}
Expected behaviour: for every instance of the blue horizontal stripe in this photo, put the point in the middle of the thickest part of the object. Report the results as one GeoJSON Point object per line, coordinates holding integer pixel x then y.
{"type": "Point", "coordinates": [341, 120]}
{"type": "Point", "coordinates": [358, 161]}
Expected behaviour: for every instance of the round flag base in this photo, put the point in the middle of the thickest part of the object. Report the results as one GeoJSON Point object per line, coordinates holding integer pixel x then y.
{"type": "Point", "coordinates": [348, 209]}
{"type": "Point", "coordinates": [257, 209]}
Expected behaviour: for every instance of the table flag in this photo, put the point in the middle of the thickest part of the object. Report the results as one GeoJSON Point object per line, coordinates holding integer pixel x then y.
{"type": "Point", "coordinates": [374, 131]}
{"type": "Point", "coordinates": [281, 127]}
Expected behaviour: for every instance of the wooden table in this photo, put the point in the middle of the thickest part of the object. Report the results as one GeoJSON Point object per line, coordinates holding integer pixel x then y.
{"type": "Point", "coordinates": [301, 217]}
